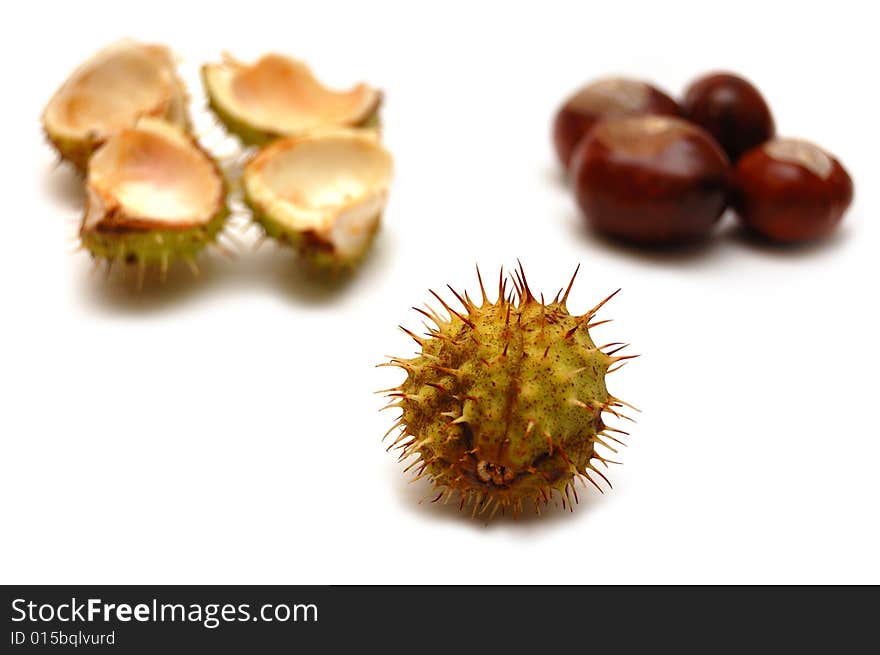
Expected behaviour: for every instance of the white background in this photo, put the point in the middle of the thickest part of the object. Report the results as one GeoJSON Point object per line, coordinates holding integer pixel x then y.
{"type": "Point", "coordinates": [225, 431]}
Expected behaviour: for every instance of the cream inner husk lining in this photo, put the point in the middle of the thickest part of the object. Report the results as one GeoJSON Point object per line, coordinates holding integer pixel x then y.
{"type": "Point", "coordinates": [112, 93]}
{"type": "Point", "coordinates": [157, 179]}
{"type": "Point", "coordinates": [327, 174]}
{"type": "Point", "coordinates": [282, 95]}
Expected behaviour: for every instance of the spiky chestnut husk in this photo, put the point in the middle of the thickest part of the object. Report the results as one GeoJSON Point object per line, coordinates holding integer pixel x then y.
{"type": "Point", "coordinates": [153, 247]}
{"type": "Point", "coordinates": [117, 229]}
{"type": "Point", "coordinates": [504, 405]}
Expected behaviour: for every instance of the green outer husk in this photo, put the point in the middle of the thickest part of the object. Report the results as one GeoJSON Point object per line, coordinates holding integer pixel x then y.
{"type": "Point", "coordinates": [317, 252]}
{"type": "Point", "coordinates": [505, 402]}
{"type": "Point", "coordinates": [154, 246]}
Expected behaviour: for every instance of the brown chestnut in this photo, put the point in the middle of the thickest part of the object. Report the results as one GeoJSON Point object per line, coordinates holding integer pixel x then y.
{"type": "Point", "coordinates": [650, 179]}
{"type": "Point", "coordinates": [789, 190]}
{"type": "Point", "coordinates": [606, 98]}
{"type": "Point", "coordinates": [732, 110]}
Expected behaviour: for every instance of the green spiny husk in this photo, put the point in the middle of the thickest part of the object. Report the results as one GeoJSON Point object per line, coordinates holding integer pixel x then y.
{"type": "Point", "coordinates": [504, 405]}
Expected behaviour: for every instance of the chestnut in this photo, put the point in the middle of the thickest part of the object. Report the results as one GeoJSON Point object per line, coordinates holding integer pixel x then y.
{"type": "Point", "coordinates": [650, 179]}
{"type": "Point", "coordinates": [605, 98]}
{"type": "Point", "coordinates": [731, 109]}
{"type": "Point", "coordinates": [790, 190]}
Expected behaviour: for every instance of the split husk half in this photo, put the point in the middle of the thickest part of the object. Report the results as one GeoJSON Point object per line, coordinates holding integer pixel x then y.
{"type": "Point", "coordinates": [153, 196]}
{"type": "Point", "coordinates": [277, 97]}
{"type": "Point", "coordinates": [113, 90]}
{"type": "Point", "coordinates": [322, 193]}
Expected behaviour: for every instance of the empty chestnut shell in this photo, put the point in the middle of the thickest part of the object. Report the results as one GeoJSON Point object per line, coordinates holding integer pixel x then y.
{"type": "Point", "coordinates": [606, 98]}
{"type": "Point", "coordinates": [732, 110]}
{"type": "Point", "coordinates": [790, 190]}
{"type": "Point", "coordinates": [650, 179]}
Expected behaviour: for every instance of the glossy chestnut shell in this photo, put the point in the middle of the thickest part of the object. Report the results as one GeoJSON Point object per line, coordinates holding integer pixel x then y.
{"type": "Point", "coordinates": [606, 98]}
{"type": "Point", "coordinates": [732, 110]}
{"type": "Point", "coordinates": [790, 190]}
{"type": "Point", "coordinates": [651, 179]}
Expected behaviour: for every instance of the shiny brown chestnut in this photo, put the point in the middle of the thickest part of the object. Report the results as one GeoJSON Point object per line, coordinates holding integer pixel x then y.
{"type": "Point", "coordinates": [732, 110]}
{"type": "Point", "coordinates": [651, 179]}
{"type": "Point", "coordinates": [605, 98]}
{"type": "Point", "coordinates": [790, 190]}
